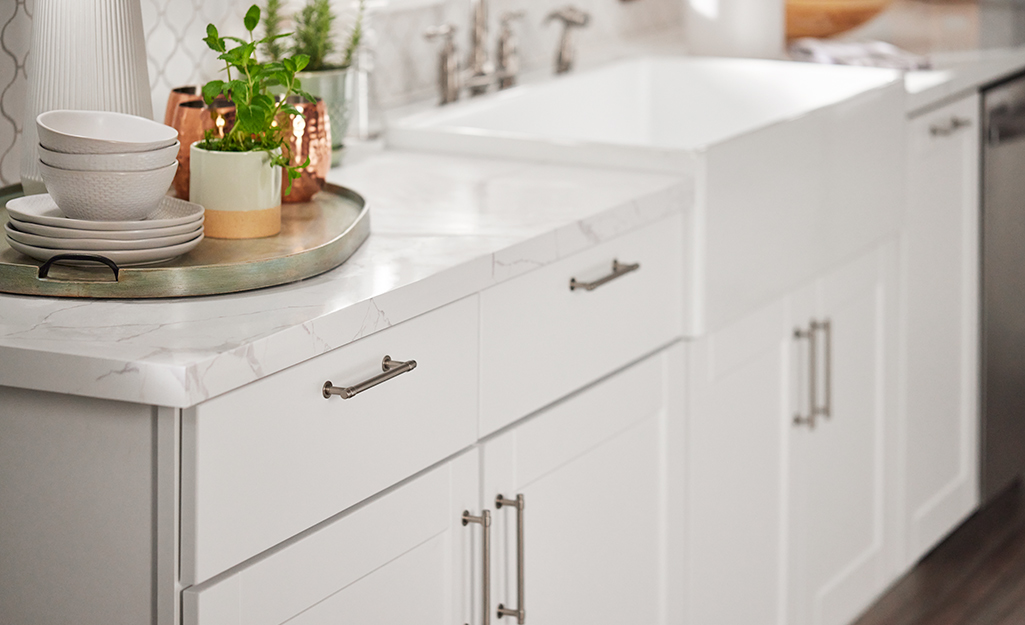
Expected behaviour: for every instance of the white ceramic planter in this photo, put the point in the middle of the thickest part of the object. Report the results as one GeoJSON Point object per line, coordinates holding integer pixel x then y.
{"type": "Point", "coordinates": [240, 191]}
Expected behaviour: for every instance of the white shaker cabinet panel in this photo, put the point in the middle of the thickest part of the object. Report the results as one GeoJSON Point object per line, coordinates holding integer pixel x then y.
{"type": "Point", "coordinates": [736, 465]}
{"type": "Point", "coordinates": [274, 458]}
{"type": "Point", "coordinates": [541, 340]}
{"type": "Point", "coordinates": [405, 557]}
{"type": "Point", "coordinates": [785, 511]}
{"type": "Point", "coordinates": [941, 286]}
{"type": "Point", "coordinates": [838, 483]}
{"type": "Point", "coordinates": [600, 527]}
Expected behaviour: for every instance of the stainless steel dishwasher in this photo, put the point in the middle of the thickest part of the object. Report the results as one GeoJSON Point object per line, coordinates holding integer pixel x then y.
{"type": "Point", "coordinates": [1003, 286]}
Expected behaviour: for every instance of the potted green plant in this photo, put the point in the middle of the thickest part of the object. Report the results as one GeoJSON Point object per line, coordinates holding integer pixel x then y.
{"type": "Point", "coordinates": [328, 74]}
{"type": "Point", "coordinates": [237, 177]}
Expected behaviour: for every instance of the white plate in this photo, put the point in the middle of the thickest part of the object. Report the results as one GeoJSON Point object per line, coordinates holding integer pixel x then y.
{"type": "Point", "coordinates": [41, 209]}
{"type": "Point", "coordinates": [192, 227]}
{"type": "Point", "coordinates": [123, 258]}
{"type": "Point", "coordinates": [100, 245]}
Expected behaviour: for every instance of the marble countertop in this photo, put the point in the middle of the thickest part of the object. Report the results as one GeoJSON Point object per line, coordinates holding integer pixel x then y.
{"type": "Point", "coordinates": [442, 228]}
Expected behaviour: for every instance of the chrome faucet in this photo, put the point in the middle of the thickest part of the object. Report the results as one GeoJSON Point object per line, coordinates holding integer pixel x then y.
{"type": "Point", "coordinates": [571, 17]}
{"type": "Point", "coordinates": [480, 73]}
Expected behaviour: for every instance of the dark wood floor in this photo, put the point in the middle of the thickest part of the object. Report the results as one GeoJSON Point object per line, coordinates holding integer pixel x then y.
{"type": "Point", "coordinates": [975, 577]}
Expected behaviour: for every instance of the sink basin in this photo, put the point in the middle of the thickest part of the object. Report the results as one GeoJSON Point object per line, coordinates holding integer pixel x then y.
{"type": "Point", "coordinates": [794, 164]}
{"type": "Point", "coordinates": [675, 104]}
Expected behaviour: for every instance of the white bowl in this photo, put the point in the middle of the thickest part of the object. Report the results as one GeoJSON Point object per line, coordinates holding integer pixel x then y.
{"type": "Point", "coordinates": [101, 132]}
{"type": "Point", "coordinates": [124, 161]}
{"type": "Point", "coordinates": [107, 195]}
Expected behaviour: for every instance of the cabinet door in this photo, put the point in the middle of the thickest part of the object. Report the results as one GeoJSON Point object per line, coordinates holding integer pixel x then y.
{"type": "Point", "coordinates": [600, 530]}
{"type": "Point", "coordinates": [739, 414]}
{"type": "Point", "coordinates": [941, 269]}
{"type": "Point", "coordinates": [404, 557]}
{"type": "Point", "coordinates": [838, 551]}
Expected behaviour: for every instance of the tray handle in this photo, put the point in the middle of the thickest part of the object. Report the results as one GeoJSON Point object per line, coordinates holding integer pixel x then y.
{"type": "Point", "coordinates": [45, 269]}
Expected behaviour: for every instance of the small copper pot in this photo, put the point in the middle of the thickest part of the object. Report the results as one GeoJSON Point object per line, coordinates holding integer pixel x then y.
{"type": "Point", "coordinates": [177, 96]}
{"type": "Point", "coordinates": [192, 119]}
{"type": "Point", "coordinates": [309, 135]}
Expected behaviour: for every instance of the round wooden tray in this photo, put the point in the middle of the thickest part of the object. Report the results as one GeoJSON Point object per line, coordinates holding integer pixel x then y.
{"type": "Point", "coordinates": [316, 236]}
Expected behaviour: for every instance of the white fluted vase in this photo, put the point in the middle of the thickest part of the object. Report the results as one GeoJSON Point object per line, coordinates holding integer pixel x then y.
{"type": "Point", "coordinates": [85, 55]}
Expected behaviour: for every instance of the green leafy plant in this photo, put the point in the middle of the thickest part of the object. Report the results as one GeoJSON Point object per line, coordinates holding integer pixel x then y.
{"type": "Point", "coordinates": [256, 109]}
{"type": "Point", "coordinates": [272, 21]}
{"type": "Point", "coordinates": [312, 35]}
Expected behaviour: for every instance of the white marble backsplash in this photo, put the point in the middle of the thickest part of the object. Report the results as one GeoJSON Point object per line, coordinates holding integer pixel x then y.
{"type": "Point", "coordinates": [405, 64]}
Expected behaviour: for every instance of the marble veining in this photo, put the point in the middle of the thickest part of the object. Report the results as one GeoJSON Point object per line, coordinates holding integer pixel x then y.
{"type": "Point", "coordinates": [443, 228]}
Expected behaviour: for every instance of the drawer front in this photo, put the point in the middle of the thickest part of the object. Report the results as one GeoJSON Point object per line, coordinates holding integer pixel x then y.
{"type": "Point", "coordinates": [541, 340]}
{"type": "Point", "coordinates": [274, 458]}
{"type": "Point", "coordinates": [408, 544]}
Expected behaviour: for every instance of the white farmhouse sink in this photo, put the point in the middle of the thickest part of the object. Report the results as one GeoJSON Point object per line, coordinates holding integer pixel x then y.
{"type": "Point", "coordinates": [796, 166]}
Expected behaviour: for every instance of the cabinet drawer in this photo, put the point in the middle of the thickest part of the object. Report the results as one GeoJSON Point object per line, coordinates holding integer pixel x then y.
{"type": "Point", "coordinates": [269, 460]}
{"type": "Point", "coordinates": [408, 545]}
{"type": "Point", "coordinates": [541, 340]}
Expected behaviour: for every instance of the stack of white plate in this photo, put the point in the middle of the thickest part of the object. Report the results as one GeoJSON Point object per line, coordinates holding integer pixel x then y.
{"type": "Point", "coordinates": [39, 229]}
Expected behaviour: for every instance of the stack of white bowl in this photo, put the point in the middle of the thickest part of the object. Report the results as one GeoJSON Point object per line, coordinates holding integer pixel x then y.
{"type": "Point", "coordinates": [106, 174]}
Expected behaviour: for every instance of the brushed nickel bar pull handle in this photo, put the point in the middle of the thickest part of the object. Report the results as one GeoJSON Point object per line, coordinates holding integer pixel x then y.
{"type": "Point", "coordinates": [618, 269]}
{"type": "Point", "coordinates": [520, 612]}
{"type": "Point", "coordinates": [949, 128]}
{"type": "Point", "coordinates": [800, 419]}
{"type": "Point", "coordinates": [391, 368]}
{"type": "Point", "coordinates": [485, 522]}
{"type": "Point", "coordinates": [826, 326]}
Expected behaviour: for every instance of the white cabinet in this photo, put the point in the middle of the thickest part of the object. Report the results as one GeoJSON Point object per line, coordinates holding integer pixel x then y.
{"type": "Point", "coordinates": [939, 457]}
{"type": "Point", "coordinates": [271, 459]}
{"type": "Point", "coordinates": [540, 339]}
{"type": "Point", "coordinates": [601, 532]}
{"type": "Point", "coordinates": [837, 483]}
{"type": "Point", "coordinates": [405, 557]}
{"type": "Point", "coordinates": [786, 515]}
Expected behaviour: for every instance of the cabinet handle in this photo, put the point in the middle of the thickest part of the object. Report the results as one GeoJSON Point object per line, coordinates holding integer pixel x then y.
{"type": "Point", "coordinates": [521, 611]}
{"type": "Point", "coordinates": [826, 326]}
{"type": "Point", "coordinates": [800, 419]}
{"type": "Point", "coordinates": [485, 522]}
{"type": "Point", "coordinates": [391, 368]}
{"type": "Point", "coordinates": [618, 269]}
{"type": "Point", "coordinates": [949, 128]}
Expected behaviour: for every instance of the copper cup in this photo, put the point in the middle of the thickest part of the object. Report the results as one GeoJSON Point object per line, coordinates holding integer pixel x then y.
{"type": "Point", "coordinates": [309, 135]}
{"type": "Point", "coordinates": [177, 96]}
{"type": "Point", "coordinates": [192, 119]}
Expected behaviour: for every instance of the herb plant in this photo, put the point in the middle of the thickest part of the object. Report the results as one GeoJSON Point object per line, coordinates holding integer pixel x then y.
{"type": "Point", "coordinates": [248, 87]}
{"type": "Point", "coordinates": [272, 46]}
{"type": "Point", "coordinates": [312, 35]}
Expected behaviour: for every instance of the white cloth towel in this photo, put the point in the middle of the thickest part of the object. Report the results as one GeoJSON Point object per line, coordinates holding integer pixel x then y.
{"type": "Point", "coordinates": [868, 53]}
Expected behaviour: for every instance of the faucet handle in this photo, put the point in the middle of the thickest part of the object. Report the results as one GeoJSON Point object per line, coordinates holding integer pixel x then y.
{"type": "Point", "coordinates": [570, 16]}
{"type": "Point", "coordinates": [448, 62]}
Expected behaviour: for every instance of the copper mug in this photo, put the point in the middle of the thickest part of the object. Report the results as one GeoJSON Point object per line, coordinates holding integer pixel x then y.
{"type": "Point", "coordinates": [306, 136]}
{"type": "Point", "coordinates": [178, 95]}
{"type": "Point", "coordinates": [192, 119]}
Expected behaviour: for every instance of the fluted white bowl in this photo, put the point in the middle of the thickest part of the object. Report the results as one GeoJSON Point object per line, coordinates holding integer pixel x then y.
{"type": "Point", "coordinates": [107, 195]}
{"type": "Point", "coordinates": [101, 132]}
{"type": "Point", "coordinates": [124, 161]}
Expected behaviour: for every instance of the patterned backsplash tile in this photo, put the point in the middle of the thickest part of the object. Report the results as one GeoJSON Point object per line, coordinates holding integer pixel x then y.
{"type": "Point", "coordinates": [405, 64]}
